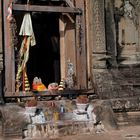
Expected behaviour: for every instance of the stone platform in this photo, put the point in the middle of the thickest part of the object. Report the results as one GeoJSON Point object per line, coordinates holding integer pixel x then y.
{"type": "Point", "coordinates": [15, 123]}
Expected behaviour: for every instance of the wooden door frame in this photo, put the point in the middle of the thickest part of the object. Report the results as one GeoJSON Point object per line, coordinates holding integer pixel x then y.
{"type": "Point", "coordinates": [9, 60]}
{"type": "Point", "coordinates": [62, 48]}
{"type": "Point", "coordinates": [1, 37]}
{"type": "Point", "coordinates": [81, 46]}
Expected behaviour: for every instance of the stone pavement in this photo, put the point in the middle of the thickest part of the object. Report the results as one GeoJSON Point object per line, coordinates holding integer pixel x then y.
{"type": "Point", "coordinates": [123, 133]}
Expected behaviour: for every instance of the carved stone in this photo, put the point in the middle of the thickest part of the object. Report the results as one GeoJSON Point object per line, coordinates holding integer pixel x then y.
{"type": "Point", "coordinates": [122, 63]}
{"type": "Point", "coordinates": [99, 46]}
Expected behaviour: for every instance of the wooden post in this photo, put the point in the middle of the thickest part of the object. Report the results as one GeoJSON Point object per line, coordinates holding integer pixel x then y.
{"type": "Point", "coordinates": [88, 40]}
{"type": "Point", "coordinates": [9, 60]}
{"type": "Point", "coordinates": [1, 42]}
{"type": "Point", "coordinates": [62, 48]}
{"type": "Point", "coordinates": [1, 56]}
{"type": "Point", "coordinates": [81, 47]}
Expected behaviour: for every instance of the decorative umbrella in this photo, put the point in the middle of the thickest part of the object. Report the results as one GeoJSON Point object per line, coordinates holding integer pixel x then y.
{"type": "Point", "coordinates": [26, 31]}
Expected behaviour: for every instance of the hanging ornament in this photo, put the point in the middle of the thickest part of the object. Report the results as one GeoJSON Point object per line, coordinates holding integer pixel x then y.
{"type": "Point", "coordinates": [26, 31]}
{"type": "Point", "coordinates": [9, 11]}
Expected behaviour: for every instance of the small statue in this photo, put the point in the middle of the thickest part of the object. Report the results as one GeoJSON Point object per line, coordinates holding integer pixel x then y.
{"type": "Point", "coordinates": [128, 32]}
{"type": "Point", "coordinates": [130, 12]}
{"type": "Point", "coordinates": [70, 76]}
{"type": "Point", "coordinates": [128, 9]}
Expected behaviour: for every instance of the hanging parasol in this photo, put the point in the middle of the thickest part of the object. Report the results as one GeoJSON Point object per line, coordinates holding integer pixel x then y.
{"type": "Point", "coordinates": [26, 31]}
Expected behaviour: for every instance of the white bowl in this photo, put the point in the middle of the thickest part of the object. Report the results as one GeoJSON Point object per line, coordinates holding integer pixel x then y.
{"type": "Point", "coordinates": [30, 110]}
{"type": "Point", "coordinates": [81, 107]}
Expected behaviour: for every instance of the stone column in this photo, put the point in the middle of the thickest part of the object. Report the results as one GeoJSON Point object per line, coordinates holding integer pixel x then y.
{"type": "Point", "coordinates": [110, 34]}
{"type": "Point", "coordinates": [99, 43]}
{"type": "Point", "coordinates": [99, 68]}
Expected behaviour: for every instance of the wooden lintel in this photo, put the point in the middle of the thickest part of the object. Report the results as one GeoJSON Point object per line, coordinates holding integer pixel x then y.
{"type": "Point", "coordinates": [40, 8]}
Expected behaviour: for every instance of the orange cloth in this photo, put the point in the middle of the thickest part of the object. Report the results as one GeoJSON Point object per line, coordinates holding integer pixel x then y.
{"type": "Point", "coordinates": [39, 87]}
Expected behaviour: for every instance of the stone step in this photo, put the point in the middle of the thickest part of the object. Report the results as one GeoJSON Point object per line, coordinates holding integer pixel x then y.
{"type": "Point", "coordinates": [119, 83]}
{"type": "Point", "coordinates": [128, 118]}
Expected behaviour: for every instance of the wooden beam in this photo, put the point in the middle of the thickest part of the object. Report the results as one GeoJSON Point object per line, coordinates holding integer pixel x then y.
{"type": "Point", "coordinates": [70, 17]}
{"type": "Point", "coordinates": [69, 3]}
{"type": "Point", "coordinates": [38, 8]}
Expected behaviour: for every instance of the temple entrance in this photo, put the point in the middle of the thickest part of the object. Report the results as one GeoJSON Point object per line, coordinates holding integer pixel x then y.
{"type": "Point", "coordinates": [60, 49]}
{"type": "Point", "coordinates": [44, 58]}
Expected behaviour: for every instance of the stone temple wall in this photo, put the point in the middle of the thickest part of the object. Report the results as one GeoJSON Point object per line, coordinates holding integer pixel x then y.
{"type": "Point", "coordinates": [115, 68]}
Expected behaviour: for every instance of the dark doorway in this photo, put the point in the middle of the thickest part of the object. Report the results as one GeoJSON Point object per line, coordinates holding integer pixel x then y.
{"type": "Point", "coordinates": [44, 58]}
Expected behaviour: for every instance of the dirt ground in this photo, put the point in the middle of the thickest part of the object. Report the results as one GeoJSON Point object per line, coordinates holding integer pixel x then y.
{"type": "Point", "coordinates": [124, 133]}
